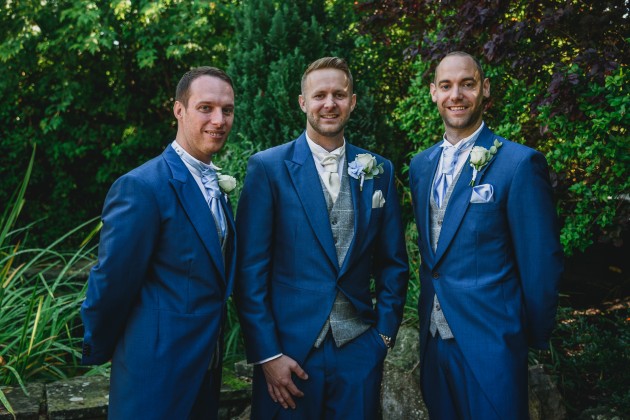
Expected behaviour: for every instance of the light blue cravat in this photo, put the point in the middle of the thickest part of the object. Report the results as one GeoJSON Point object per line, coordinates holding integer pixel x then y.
{"type": "Point", "coordinates": [210, 181]}
{"type": "Point", "coordinates": [450, 154]}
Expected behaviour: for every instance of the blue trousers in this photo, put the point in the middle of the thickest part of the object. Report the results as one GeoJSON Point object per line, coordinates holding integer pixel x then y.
{"type": "Point", "coordinates": [449, 387]}
{"type": "Point", "coordinates": [343, 383]}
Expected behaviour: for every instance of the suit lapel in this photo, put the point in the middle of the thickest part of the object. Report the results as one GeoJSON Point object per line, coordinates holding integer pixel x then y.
{"type": "Point", "coordinates": [308, 187]}
{"type": "Point", "coordinates": [460, 198]}
{"type": "Point", "coordinates": [230, 256]}
{"type": "Point", "coordinates": [362, 207]}
{"type": "Point", "coordinates": [425, 189]}
{"type": "Point", "coordinates": [486, 139]}
{"type": "Point", "coordinates": [191, 199]}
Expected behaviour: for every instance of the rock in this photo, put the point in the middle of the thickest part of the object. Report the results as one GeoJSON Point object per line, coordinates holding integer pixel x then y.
{"type": "Point", "coordinates": [400, 390]}
{"type": "Point", "coordinates": [26, 407]}
{"type": "Point", "coordinates": [545, 402]}
{"type": "Point", "coordinates": [232, 402]}
{"type": "Point", "coordinates": [84, 397]}
{"type": "Point", "coordinates": [401, 397]}
{"type": "Point", "coordinates": [244, 369]}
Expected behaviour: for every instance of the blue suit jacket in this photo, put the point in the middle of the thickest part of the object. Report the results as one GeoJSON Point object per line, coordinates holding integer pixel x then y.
{"type": "Point", "coordinates": [288, 274]}
{"type": "Point", "coordinates": [497, 265]}
{"type": "Point", "coordinates": [157, 297]}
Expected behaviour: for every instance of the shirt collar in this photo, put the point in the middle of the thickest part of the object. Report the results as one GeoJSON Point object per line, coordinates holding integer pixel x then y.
{"type": "Point", "coordinates": [318, 150]}
{"type": "Point", "coordinates": [463, 143]}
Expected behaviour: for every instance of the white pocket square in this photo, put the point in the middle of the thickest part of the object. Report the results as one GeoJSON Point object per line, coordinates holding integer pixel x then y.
{"type": "Point", "coordinates": [483, 193]}
{"type": "Point", "coordinates": [377, 199]}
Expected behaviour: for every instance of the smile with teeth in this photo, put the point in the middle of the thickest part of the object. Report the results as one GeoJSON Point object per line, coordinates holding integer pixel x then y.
{"type": "Point", "coordinates": [457, 108]}
{"type": "Point", "coordinates": [214, 133]}
{"type": "Point", "coordinates": [329, 116]}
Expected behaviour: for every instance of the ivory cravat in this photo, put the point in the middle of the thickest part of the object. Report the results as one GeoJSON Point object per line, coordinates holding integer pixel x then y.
{"type": "Point", "coordinates": [330, 176]}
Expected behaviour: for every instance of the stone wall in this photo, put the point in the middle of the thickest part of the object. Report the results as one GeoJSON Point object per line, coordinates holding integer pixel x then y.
{"type": "Point", "coordinates": [86, 397]}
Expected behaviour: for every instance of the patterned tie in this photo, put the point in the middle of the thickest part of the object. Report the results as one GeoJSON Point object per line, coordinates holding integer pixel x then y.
{"type": "Point", "coordinates": [210, 181]}
{"type": "Point", "coordinates": [447, 169]}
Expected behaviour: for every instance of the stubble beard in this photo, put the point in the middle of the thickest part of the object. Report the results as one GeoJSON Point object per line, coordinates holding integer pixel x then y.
{"type": "Point", "coordinates": [332, 132]}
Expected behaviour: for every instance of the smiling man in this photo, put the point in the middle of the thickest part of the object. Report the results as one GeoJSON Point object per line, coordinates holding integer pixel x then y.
{"type": "Point", "coordinates": [491, 255]}
{"type": "Point", "coordinates": [156, 299]}
{"type": "Point", "coordinates": [317, 219]}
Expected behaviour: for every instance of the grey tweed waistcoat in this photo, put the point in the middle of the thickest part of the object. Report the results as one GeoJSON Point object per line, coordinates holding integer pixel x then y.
{"type": "Point", "coordinates": [438, 320]}
{"type": "Point", "coordinates": [343, 320]}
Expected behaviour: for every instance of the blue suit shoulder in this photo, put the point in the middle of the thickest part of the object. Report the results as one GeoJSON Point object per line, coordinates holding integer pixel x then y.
{"type": "Point", "coordinates": [512, 153]}
{"type": "Point", "coordinates": [148, 171]}
{"type": "Point", "coordinates": [279, 153]}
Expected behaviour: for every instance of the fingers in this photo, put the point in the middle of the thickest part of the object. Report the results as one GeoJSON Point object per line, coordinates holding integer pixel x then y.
{"type": "Point", "coordinates": [281, 396]}
{"type": "Point", "coordinates": [280, 385]}
{"type": "Point", "coordinates": [299, 372]}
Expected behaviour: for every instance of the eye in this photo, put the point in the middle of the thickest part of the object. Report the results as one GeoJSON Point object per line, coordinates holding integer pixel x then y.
{"type": "Point", "coordinates": [444, 87]}
{"type": "Point", "coordinates": [204, 108]}
{"type": "Point", "coordinates": [228, 111]}
{"type": "Point", "coordinates": [340, 96]}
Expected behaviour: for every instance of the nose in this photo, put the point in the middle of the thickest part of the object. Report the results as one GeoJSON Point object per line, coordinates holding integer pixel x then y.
{"type": "Point", "coordinates": [217, 118]}
{"type": "Point", "coordinates": [330, 101]}
{"type": "Point", "coordinates": [456, 93]}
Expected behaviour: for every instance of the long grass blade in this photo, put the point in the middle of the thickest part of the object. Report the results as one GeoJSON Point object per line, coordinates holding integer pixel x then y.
{"type": "Point", "coordinates": [6, 404]}
{"type": "Point", "coordinates": [35, 324]}
{"type": "Point", "coordinates": [8, 220]}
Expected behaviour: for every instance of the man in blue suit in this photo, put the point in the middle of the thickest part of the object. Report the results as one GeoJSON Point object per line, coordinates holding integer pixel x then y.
{"type": "Point", "coordinates": [317, 219]}
{"type": "Point", "coordinates": [491, 256]}
{"type": "Point", "coordinates": [156, 299]}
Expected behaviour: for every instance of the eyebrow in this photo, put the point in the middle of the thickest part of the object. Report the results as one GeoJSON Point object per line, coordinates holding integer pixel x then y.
{"type": "Point", "coordinates": [466, 79]}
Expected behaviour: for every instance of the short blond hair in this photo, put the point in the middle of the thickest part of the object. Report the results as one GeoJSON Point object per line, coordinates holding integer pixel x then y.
{"type": "Point", "coordinates": [328, 63]}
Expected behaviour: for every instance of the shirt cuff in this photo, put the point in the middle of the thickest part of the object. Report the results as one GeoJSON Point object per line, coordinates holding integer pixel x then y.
{"type": "Point", "coordinates": [268, 359]}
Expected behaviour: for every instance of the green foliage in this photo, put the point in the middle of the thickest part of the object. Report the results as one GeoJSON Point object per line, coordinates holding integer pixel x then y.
{"type": "Point", "coordinates": [592, 156]}
{"type": "Point", "coordinates": [92, 83]}
{"type": "Point", "coordinates": [41, 290]}
{"type": "Point", "coordinates": [555, 87]}
{"type": "Point", "coordinates": [590, 357]}
{"type": "Point", "coordinates": [272, 46]}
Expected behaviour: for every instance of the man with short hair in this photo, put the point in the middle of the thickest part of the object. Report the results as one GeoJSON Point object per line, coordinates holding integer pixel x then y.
{"type": "Point", "coordinates": [156, 300]}
{"type": "Point", "coordinates": [491, 255]}
{"type": "Point", "coordinates": [317, 219]}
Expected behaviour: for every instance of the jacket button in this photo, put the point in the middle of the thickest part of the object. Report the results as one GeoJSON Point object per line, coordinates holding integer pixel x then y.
{"type": "Point", "coordinates": [436, 274]}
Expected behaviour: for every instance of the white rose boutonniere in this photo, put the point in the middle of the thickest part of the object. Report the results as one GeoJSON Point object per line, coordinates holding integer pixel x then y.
{"type": "Point", "coordinates": [480, 157]}
{"type": "Point", "coordinates": [226, 182]}
{"type": "Point", "coordinates": [364, 167]}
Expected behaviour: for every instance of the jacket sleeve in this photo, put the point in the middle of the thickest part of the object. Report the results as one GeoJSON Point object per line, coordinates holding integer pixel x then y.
{"type": "Point", "coordinates": [535, 236]}
{"type": "Point", "coordinates": [390, 267]}
{"type": "Point", "coordinates": [130, 228]}
{"type": "Point", "coordinates": [254, 226]}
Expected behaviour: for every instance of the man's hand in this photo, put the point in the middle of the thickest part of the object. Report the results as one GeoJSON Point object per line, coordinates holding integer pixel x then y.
{"type": "Point", "coordinates": [279, 383]}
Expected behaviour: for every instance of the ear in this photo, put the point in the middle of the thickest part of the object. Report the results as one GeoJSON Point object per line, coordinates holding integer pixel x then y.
{"type": "Point", "coordinates": [432, 89]}
{"type": "Point", "coordinates": [353, 102]}
{"type": "Point", "coordinates": [486, 88]}
{"type": "Point", "coordinates": [178, 110]}
{"type": "Point", "coordinates": [302, 103]}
